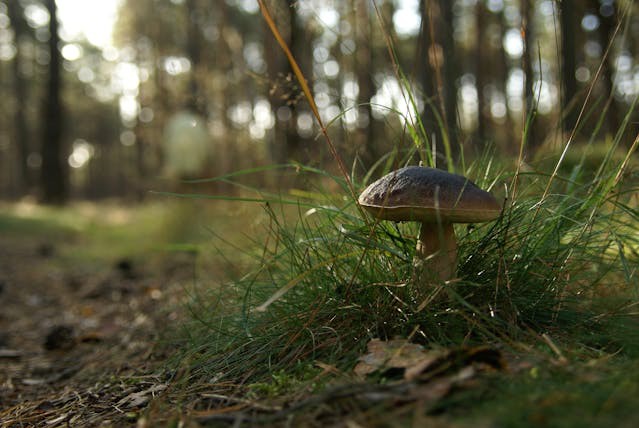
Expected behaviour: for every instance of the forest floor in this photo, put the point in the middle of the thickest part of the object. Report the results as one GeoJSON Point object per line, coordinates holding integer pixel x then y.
{"type": "Point", "coordinates": [86, 293]}
{"type": "Point", "coordinates": [79, 322]}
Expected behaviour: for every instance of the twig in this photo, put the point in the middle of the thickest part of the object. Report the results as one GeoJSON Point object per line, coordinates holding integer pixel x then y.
{"type": "Point", "coordinates": [241, 401]}
{"type": "Point", "coordinates": [554, 348]}
{"type": "Point", "coordinates": [338, 392]}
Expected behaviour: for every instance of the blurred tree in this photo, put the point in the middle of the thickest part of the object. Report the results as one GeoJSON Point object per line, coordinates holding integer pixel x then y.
{"type": "Point", "coordinates": [216, 60]}
{"type": "Point", "coordinates": [364, 135]}
{"type": "Point", "coordinates": [450, 70]}
{"type": "Point", "coordinates": [54, 172]}
{"type": "Point", "coordinates": [153, 35]}
{"type": "Point", "coordinates": [528, 58]}
{"type": "Point", "coordinates": [506, 129]}
{"type": "Point", "coordinates": [196, 98]}
{"type": "Point", "coordinates": [442, 59]}
{"type": "Point", "coordinates": [285, 93]}
{"type": "Point", "coordinates": [482, 68]}
{"type": "Point", "coordinates": [425, 68]}
{"type": "Point", "coordinates": [223, 93]}
{"type": "Point", "coordinates": [21, 134]}
{"type": "Point", "coordinates": [607, 14]}
{"type": "Point", "coordinates": [567, 19]}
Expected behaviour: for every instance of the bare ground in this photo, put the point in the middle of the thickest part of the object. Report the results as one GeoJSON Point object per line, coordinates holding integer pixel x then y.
{"type": "Point", "coordinates": [77, 343]}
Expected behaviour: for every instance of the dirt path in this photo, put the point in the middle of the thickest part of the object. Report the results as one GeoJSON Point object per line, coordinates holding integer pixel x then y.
{"type": "Point", "coordinates": [77, 342]}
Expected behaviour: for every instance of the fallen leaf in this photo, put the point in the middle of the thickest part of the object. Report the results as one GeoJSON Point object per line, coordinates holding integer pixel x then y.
{"type": "Point", "coordinates": [394, 354]}
{"type": "Point", "coordinates": [415, 360]}
{"type": "Point", "coordinates": [327, 368]}
{"type": "Point", "coordinates": [140, 398]}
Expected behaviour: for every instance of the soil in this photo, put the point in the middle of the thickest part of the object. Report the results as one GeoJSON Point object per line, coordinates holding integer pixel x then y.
{"type": "Point", "coordinates": [77, 341]}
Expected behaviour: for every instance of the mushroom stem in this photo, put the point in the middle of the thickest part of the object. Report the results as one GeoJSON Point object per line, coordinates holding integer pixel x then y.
{"type": "Point", "coordinates": [436, 253]}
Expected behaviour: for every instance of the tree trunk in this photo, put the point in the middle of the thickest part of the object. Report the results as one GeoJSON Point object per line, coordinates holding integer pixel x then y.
{"type": "Point", "coordinates": [437, 35]}
{"type": "Point", "coordinates": [531, 142]}
{"type": "Point", "coordinates": [364, 136]}
{"type": "Point", "coordinates": [605, 32]}
{"type": "Point", "coordinates": [297, 46]}
{"type": "Point", "coordinates": [21, 131]}
{"type": "Point", "coordinates": [225, 96]}
{"type": "Point", "coordinates": [568, 64]}
{"type": "Point", "coordinates": [481, 56]}
{"type": "Point", "coordinates": [285, 91]}
{"type": "Point", "coordinates": [427, 76]}
{"type": "Point", "coordinates": [54, 173]}
{"type": "Point", "coordinates": [450, 72]}
{"type": "Point", "coordinates": [195, 102]}
{"type": "Point", "coordinates": [503, 68]}
{"type": "Point", "coordinates": [276, 67]}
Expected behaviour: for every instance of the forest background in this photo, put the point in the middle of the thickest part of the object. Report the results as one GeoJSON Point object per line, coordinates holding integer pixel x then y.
{"type": "Point", "coordinates": [194, 88]}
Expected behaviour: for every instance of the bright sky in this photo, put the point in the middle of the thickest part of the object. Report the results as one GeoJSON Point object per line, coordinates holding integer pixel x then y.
{"type": "Point", "coordinates": [92, 18]}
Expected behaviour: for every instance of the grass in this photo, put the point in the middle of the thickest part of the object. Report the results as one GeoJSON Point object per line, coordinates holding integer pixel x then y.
{"type": "Point", "coordinates": [552, 284]}
{"type": "Point", "coordinates": [551, 275]}
{"type": "Point", "coordinates": [601, 395]}
{"type": "Point", "coordinates": [85, 234]}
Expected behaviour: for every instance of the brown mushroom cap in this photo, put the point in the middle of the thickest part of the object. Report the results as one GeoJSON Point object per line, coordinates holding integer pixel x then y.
{"type": "Point", "coordinates": [416, 193]}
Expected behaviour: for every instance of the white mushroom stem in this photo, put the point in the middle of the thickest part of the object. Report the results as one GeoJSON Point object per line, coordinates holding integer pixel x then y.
{"type": "Point", "coordinates": [436, 253]}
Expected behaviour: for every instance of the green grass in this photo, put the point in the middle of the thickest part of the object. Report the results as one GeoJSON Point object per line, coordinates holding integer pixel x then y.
{"type": "Point", "coordinates": [332, 280]}
{"type": "Point", "coordinates": [552, 283]}
{"type": "Point", "coordinates": [33, 221]}
{"type": "Point", "coordinates": [84, 233]}
{"type": "Point", "coordinates": [600, 394]}
{"type": "Point", "coordinates": [552, 279]}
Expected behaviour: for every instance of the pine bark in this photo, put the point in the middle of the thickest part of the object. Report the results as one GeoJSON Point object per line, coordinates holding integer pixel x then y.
{"type": "Point", "coordinates": [568, 64]}
{"type": "Point", "coordinates": [21, 134]}
{"type": "Point", "coordinates": [54, 172]}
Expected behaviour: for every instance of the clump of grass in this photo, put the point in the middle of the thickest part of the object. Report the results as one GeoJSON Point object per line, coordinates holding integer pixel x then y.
{"type": "Point", "coordinates": [560, 258]}
{"type": "Point", "coordinates": [329, 280]}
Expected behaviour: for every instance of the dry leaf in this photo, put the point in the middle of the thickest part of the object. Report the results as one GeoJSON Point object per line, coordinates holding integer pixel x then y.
{"type": "Point", "coordinates": [415, 360]}
{"type": "Point", "coordinates": [137, 399]}
{"type": "Point", "coordinates": [394, 354]}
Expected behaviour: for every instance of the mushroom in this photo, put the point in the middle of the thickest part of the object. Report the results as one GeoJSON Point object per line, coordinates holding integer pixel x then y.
{"type": "Point", "coordinates": [437, 199]}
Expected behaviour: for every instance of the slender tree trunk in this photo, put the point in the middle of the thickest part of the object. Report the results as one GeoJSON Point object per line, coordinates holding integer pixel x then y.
{"type": "Point", "coordinates": [301, 46]}
{"type": "Point", "coordinates": [195, 102]}
{"type": "Point", "coordinates": [451, 72]}
{"type": "Point", "coordinates": [285, 92]}
{"type": "Point", "coordinates": [481, 57]}
{"type": "Point", "coordinates": [21, 131]}
{"type": "Point", "coordinates": [427, 75]}
{"type": "Point", "coordinates": [568, 64]}
{"type": "Point", "coordinates": [277, 67]}
{"type": "Point", "coordinates": [54, 173]}
{"type": "Point", "coordinates": [437, 26]}
{"type": "Point", "coordinates": [605, 32]}
{"type": "Point", "coordinates": [364, 136]}
{"type": "Point", "coordinates": [502, 78]}
{"type": "Point", "coordinates": [528, 58]}
{"type": "Point", "coordinates": [225, 96]}
{"type": "Point", "coordinates": [296, 45]}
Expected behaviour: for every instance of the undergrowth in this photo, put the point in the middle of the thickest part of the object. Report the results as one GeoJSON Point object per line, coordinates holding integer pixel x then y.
{"type": "Point", "coordinates": [557, 267]}
{"type": "Point", "coordinates": [330, 279]}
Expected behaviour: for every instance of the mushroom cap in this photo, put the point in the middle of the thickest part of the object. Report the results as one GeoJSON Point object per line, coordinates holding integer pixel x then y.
{"type": "Point", "coordinates": [417, 193]}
